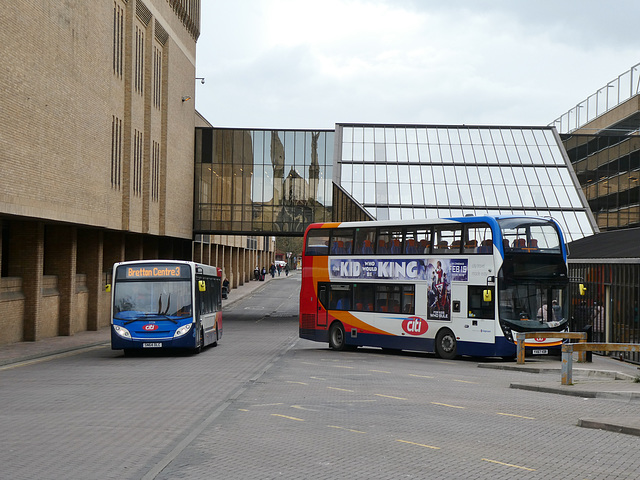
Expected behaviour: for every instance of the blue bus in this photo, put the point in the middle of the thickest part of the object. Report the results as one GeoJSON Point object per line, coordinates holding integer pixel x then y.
{"type": "Point", "coordinates": [454, 286]}
{"type": "Point", "coordinates": [159, 304]}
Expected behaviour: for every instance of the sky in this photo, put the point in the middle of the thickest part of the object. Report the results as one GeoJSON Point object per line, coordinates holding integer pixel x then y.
{"type": "Point", "coordinates": [302, 64]}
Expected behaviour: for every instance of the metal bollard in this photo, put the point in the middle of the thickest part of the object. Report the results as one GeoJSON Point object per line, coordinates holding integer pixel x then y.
{"type": "Point", "coordinates": [567, 364]}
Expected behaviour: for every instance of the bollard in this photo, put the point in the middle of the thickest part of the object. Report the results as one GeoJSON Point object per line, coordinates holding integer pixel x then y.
{"type": "Point", "coordinates": [567, 364]}
{"type": "Point", "coordinates": [520, 351]}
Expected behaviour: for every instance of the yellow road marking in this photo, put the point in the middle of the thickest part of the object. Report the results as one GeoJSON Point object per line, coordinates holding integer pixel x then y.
{"type": "Point", "coordinates": [298, 383]}
{"type": "Point", "coordinates": [447, 405]}
{"type": "Point", "coordinates": [288, 417]}
{"type": "Point", "coordinates": [318, 378]}
{"type": "Point", "coordinates": [465, 381]}
{"type": "Point", "coordinates": [509, 465]}
{"type": "Point", "coordinates": [347, 429]}
{"type": "Point", "coordinates": [517, 416]}
{"type": "Point", "coordinates": [419, 376]}
{"type": "Point", "coordinates": [419, 444]}
{"type": "Point", "coordinates": [340, 389]}
{"type": "Point", "coordinates": [388, 396]}
{"type": "Point", "coordinates": [379, 371]}
{"type": "Point", "coordinates": [300, 407]}
{"type": "Point", "coordinates": [243, 409]}
{"type": "Point", "coordinates": [342, 366]}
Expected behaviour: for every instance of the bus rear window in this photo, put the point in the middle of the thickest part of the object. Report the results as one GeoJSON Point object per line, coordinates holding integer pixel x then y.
{"type": "Point", "coordinates": [317, 242]}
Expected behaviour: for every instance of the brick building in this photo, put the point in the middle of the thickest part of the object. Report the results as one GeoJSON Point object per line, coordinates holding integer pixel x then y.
{"type": "Point", "coordinates": [96, 154]}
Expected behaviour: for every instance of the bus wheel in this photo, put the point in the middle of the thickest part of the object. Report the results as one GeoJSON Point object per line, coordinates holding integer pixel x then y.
{"type": "Point", "coordinates": [446, 344]}
{"type": "Point", "coordinates": [337, 339]}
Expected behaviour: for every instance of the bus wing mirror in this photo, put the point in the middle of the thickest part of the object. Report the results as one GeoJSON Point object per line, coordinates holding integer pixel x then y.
{"type": "Point", "coordinates": [202, 286]}
{"type": "Point", "coordinates": [107, 287]}
{"type": "Point", "coordinates": [583, 289]}
{"type": "Point", "coordinates": [486, 295]}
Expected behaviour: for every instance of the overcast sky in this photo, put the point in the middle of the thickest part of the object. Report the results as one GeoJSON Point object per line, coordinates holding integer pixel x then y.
{"type": "Point", "coordinates": [302, 64]}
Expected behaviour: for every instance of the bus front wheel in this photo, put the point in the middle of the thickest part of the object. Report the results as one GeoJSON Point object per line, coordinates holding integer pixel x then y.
{"type": "Point", "coordinates": [337, 339]}
{"type": "Point", "coordinates": [446, 344]}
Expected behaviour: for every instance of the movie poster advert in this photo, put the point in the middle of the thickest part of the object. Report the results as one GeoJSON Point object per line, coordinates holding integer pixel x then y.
{"type": "Point", "coordinates": [438, 273]}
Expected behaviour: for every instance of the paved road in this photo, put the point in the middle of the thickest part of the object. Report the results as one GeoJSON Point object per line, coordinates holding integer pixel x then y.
{"type": "Point", "coordinates": [265, 404]}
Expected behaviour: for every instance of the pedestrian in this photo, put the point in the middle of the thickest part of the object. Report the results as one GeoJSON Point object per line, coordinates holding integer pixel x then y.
{"type": "Point", "coordinates": [286, 269]}
{"type": "Point", "coordinates": [272, 270]}
{"type": "Point", "coordinates": [263, 273]}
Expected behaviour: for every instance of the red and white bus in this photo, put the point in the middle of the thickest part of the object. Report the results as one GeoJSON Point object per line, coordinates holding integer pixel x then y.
{"type": "Point", "coordinates": [457, 286]}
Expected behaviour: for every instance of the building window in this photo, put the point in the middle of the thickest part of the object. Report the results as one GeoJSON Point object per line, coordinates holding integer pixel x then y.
{"type": "Point", "coordinates": [116, 151]}
{"type": "Point", "coordinates": [118, 38]}
{"type": "Point", "coordinates": [157, 76]}
{"type": "Point", "coordinates": [155, 171]}
{"type": "Point", "coordinates": [139, 70]}
{"type": "Point", "coordinates": [137, 162]}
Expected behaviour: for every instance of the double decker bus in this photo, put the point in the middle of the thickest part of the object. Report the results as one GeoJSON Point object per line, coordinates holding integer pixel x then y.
{"type": "Point", "coordinates": [165, 304]}
{"type": "Point", "coordinates": [456, 286]}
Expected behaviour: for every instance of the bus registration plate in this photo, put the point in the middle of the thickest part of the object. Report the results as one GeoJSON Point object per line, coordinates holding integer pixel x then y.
{"type": "Point", "coordinates": [543, 351]}
{"type": "Point", "coordinates": [151, 345]}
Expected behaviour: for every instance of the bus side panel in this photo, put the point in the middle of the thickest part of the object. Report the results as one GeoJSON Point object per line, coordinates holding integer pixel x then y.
{"type": "Point", "coordinates": [314, 270]}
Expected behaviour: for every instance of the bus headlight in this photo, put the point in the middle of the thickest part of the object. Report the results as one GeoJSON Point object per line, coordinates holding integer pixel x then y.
{"type": "Point", "coordinates": [182, 330]}
{"type": "Point", "coordinates": [123, 332]}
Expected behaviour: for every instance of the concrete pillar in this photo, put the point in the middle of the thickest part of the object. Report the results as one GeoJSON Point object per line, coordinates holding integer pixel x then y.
{"type": "Point", "coordinates": [60, 253]}
{"type": "Point", "coordinates": [133, 247]}
{"type": "Point", "coordinates": [27, 251]}
{"type": "Point", "coordinates": [89, 262]}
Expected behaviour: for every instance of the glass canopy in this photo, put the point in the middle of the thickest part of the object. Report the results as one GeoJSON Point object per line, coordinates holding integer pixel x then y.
{"type": "Point", "coordinates": [418, 171]}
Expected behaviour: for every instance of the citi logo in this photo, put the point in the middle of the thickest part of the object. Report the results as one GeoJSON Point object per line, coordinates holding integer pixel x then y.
{"type": "Point", "coordinates": [150, 327]}
{"type": "Point", "coordinates": [415, 326]}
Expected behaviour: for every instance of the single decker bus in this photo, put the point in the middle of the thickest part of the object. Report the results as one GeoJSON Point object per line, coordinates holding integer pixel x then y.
{"type": "Point", "coordinates": [165, 304]}
{"type": "Point", "coordinates": [455, 286]}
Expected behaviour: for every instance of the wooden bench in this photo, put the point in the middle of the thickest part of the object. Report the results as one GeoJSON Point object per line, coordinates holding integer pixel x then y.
{"type": "Point", "coordinates": [582, 336]}
{"type": "Point", "coordinates": [569, 348]}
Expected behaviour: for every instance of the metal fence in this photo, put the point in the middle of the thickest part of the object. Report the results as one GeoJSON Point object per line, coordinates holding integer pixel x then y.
{"type": "Point", "coordinates": [610, 304]}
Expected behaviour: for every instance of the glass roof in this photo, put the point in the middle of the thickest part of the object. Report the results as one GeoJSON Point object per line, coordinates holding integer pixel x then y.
{"type": "Point", "coordinates": [404, 172]}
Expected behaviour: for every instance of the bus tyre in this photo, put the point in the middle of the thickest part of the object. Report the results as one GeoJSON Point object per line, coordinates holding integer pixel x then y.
{"type": "Point", "coordinates": [446, 344]}
{"type": "Point", "coordinates": [337, 339]}
{"type": "Point", "coordinates": [215, 344]}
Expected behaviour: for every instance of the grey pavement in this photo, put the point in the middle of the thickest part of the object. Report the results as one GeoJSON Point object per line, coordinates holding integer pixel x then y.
{"type": "Point", "coordinates": [26, 351]}
{"type": "Point", "coordinates": [604, 377]}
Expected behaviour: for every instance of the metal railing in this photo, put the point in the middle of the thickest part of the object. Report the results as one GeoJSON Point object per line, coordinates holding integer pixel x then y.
{"type": "Point", "coordinates": [606, 98]}
{"type": "Point", "coordinates": [569, 348]}
{"type": "Point", "coordinates": [582, 336]}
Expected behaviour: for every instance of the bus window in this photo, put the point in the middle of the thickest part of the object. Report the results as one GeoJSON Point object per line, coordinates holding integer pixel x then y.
{"type": "Point", "coordinates": [478, 308]}
{"type": "Point", "coordinates": [388, 298]}
{"type": "Point", "coordinates": [364, 296]}
{"type": "Point", "coordinates": [341, 242]}
{"type": "Point", "coordinates": [447, 239]}
{"type": "Point", "coordinates": [365, 241]}
{"type": "Point", "coordinates": [317, 242]}
{"type": "Point", "coordinates": [408, 299]}
{"type": "Point", "coordinates": [474, 237]}
{"type": "Point", "coordinates": [339, 297]}
{"type": "Point", "coordinates": [417, 241]}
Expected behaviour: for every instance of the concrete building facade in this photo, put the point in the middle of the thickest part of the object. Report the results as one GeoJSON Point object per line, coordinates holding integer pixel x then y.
{"type": "Point", "coordinates": [96, 153]}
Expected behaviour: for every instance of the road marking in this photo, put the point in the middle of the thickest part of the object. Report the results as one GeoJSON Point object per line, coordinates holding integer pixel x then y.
{"type": "Point", "coordinates": [243, 410]}
{"type": "Point", "coordinates": [379, 371]}
{"type": "Point", "coordinates": [419, 376]}
{"type": "Point", "coordinates": [418, 444]}
{"type": "Point", "coordinates": [287, 417]}
{"type": "Point", "coordinates": [465, 381]}
{"type": "Point", "coordinates": [340, 389]}
{"type": "Point", "coordinates": [267, 404]}
{"type": "Point", "coordinates": [389, 396]}
{"type": "Point", "coordinates": [343, 366]}
{"type": "Point", "coordinates": [517, 416]}
{"type": "Point", "coordinates": [298, 383]}
{"type": "Point", "coordinates": [509, 465]}
{"type": "Point", "coordinates": [300, 407]}
{"type": "Point", "coordinates": [347, 429]}
{"type": "Point", "coordinates": [447, 405]}
{"type": "Point", "coordinates": [318, 378]}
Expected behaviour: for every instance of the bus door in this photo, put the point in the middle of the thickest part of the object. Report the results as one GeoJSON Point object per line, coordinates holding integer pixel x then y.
{"type": "Point", "coordinates": [481, 314]}
{"type": "Point", "coordinates": [323, 299]}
